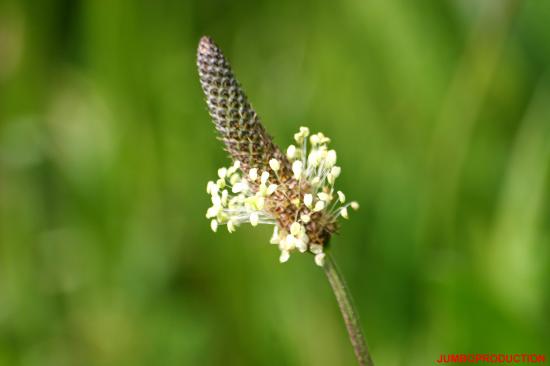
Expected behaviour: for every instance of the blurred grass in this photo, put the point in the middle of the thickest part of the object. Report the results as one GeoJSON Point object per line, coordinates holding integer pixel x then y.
{"type": "Point", "coordinates": [438, 110]}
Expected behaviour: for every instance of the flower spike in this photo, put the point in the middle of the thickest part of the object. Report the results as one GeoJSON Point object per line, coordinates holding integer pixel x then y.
{"type": "Point", "coordinates": [237, 123]}
{"type": "Point", "coordinates": [293, 191]}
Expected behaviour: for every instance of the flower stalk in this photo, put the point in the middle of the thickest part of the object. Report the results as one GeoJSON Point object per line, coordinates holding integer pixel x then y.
{"type": "Point", "coordinates": [345, 302]}
{"type": "Point", "coordinates": [293, 190]}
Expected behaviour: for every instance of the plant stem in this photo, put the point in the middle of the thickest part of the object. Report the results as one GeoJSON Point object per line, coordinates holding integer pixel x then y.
{"type": "Point", "coordinates": [349, 313]}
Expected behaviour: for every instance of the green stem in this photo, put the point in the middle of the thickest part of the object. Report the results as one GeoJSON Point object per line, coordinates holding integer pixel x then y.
{"type": "Point", "coordinates": [349, 313]}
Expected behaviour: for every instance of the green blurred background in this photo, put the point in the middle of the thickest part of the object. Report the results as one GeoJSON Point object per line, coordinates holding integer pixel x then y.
{"type": "Point", "coordinates": [439, 111]}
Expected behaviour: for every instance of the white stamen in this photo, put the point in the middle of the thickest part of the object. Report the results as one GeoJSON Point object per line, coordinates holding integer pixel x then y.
{"type": "Point", "coordinates": [254, 219]}
{"type": "Point", "coordinates": [284, 256]}
{"type": "Point", "coordinates": [320, 259]}
{"type": "Point", "coordinates": [274, 164]}
{"type": "Point", "coordinates": [222, 172]}
{"type": "Point", "coordinates": [253, 174]}
{"type": "Point", "coordinates": [319, 206]}
{"type": "Point", "coordinates": [291, 152]}
{"type": "Point", "coordinates": [297, 169]}
{"type": "Point", "coordinates": [341, 196]}
{"type": "Point", "coordinates": [214, 225]}
{"type": "Point", "coordinates": [264, 177]}
{"type": "Point", "coordinates": [308, 200]}
{"type": "Point", "coordinates": [344, 212]}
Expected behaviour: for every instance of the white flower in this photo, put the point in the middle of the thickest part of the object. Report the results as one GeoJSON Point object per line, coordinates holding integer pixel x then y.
{"type": "Point", "coordinates": [344, 212]}
{"type": "Point", "coordinates": [264, 177]}
{"type": "Point", "coordinates": [295, 228]}
{"type": "Point", "coordinates": [324, 196]}
{"type": "Point", "coordinates": [341, 196]}
{"type": "Point", "coordinates": [313, 178]}
{"type": "Point", "coordinates": [253, 174]}
{"type": "Point", "coordinates": [222, 173]}
{"type": "Point", "coordinates": [300, 245]}
{"type": "Point", "coordinates": [216, 200]}
{"type": "Point", "coordinates": [320, 259]}
{"type": "Point", "coordinates": [297, 169]}
{"type": "Point", "coordinates": [291, 152]}
{"type": "Point", "coordinates": [274, 164]}
{"type": "Point", "coordinates": [254, 219]}
{"type": "Point", "coordinates": [214, 225]}
{"type": "Point", "coordinates": [308, 200]}
{"type": "Point", "coordinates": [284, 256]}
{"type": "Point", "coordinates": [331, 158]}
{"type": "Point", "coordinates": [230, 226]}
{"type": "Point", "coordinates": [272, 188]}
{"type": "Point", "coordinates": [211, 188]}
{"type": "Point", "coordinates": [316, 248]}
{"type": "Point", "coordinates": [275, 237]}
{"type": "Point", "coordinates": [240, 187]}
{"type": "Point", "coordinates": [319, 206]}
{"type": "Point", "coordinates": [289, 242]}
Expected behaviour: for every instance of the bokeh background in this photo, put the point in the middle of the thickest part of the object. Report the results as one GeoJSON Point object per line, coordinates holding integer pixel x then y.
{"type": "Point", "coordinates": [439, 111]}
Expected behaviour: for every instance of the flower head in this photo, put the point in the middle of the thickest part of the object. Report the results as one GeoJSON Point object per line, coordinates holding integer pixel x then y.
{"type": "Point", "coordinates": [294, 192]}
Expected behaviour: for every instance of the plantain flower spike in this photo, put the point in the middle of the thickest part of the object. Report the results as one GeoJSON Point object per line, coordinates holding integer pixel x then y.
{"type": "Point", "coordinates": [293, 191]}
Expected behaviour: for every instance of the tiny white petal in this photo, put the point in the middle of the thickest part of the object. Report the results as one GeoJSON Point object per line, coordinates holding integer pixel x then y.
{"type": "Point", "coordinates": [222, 172]}
{"type": "Point", "coordinates": [225, 195]}
{"type": "Point", "coordinates": [260, 202]}
{"type": "Point", "coordinates": [212, 212]}
{"type": "Point", "coordinates": [275, 239]}
{"type": "Point", "coordinates": [295, 228]}
{"type": "Point", "coordinates": [220, 183]}
{"type": "Point", "coordinates": [211, 188]}
{"type": "Point", "coordinates": [216, 200]}
{"type": "Point", "coordinates": [289, 242]}
{"type": "Point", "coordinates": [214, 225]}
{"type": "Point", "coordinates": [344, 213]}
{"type": "Point", "coordinates": [331, 158]}
{"type": "Point", "coordinates": [240, 187]}
{"type": "Point", "coordinates": [305, 218]}
{"type": "Point", "coordinates": [335, 171]}
{"type": "Point", "coordinates": [254, 219]}
{"type": "Point", "coordinates": [355, 205]}
{"type": "Point", "coordinates": [264, 177]}
{"type": "Point", "coordinates": [284, 256]}
{"type": "Point", "coordinates": [291, 152]}
{"type": "Point", "coordinates": [297, 169]}
{"type": "Point", "coordinates": [308, 200]}
{"type": "Point", "coordinates": [319, 206]}
{"type": "Point", "coordinates": [324, 196]}
{"type": "Point", "coordinates": [253, 174]}
{"type": "Point", "coordinates": [301, 245]}
{"type": "Point", "coordinates": [272, 188]}
{"type": "Point", "coordinates": [341, 196]}
{"type": "Point", "coordinates": [235, 178]}
{"type": "Point", "coordinates": [314, 139]}
{"type": "Point", "coordinates": [230, 226]}
{"type": "Point", "coordinates": [316, 248]}
{"type": "Point", "coordinates": [320, 259]}
{"type": "Point", "coordinates": [274, 164]}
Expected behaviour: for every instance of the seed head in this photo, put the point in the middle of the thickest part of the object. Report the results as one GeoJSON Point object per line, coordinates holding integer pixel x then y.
{"type": "Point", "coordinates": [294, 192]}
{"type": "Point", "coordinates": [237, 123]}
